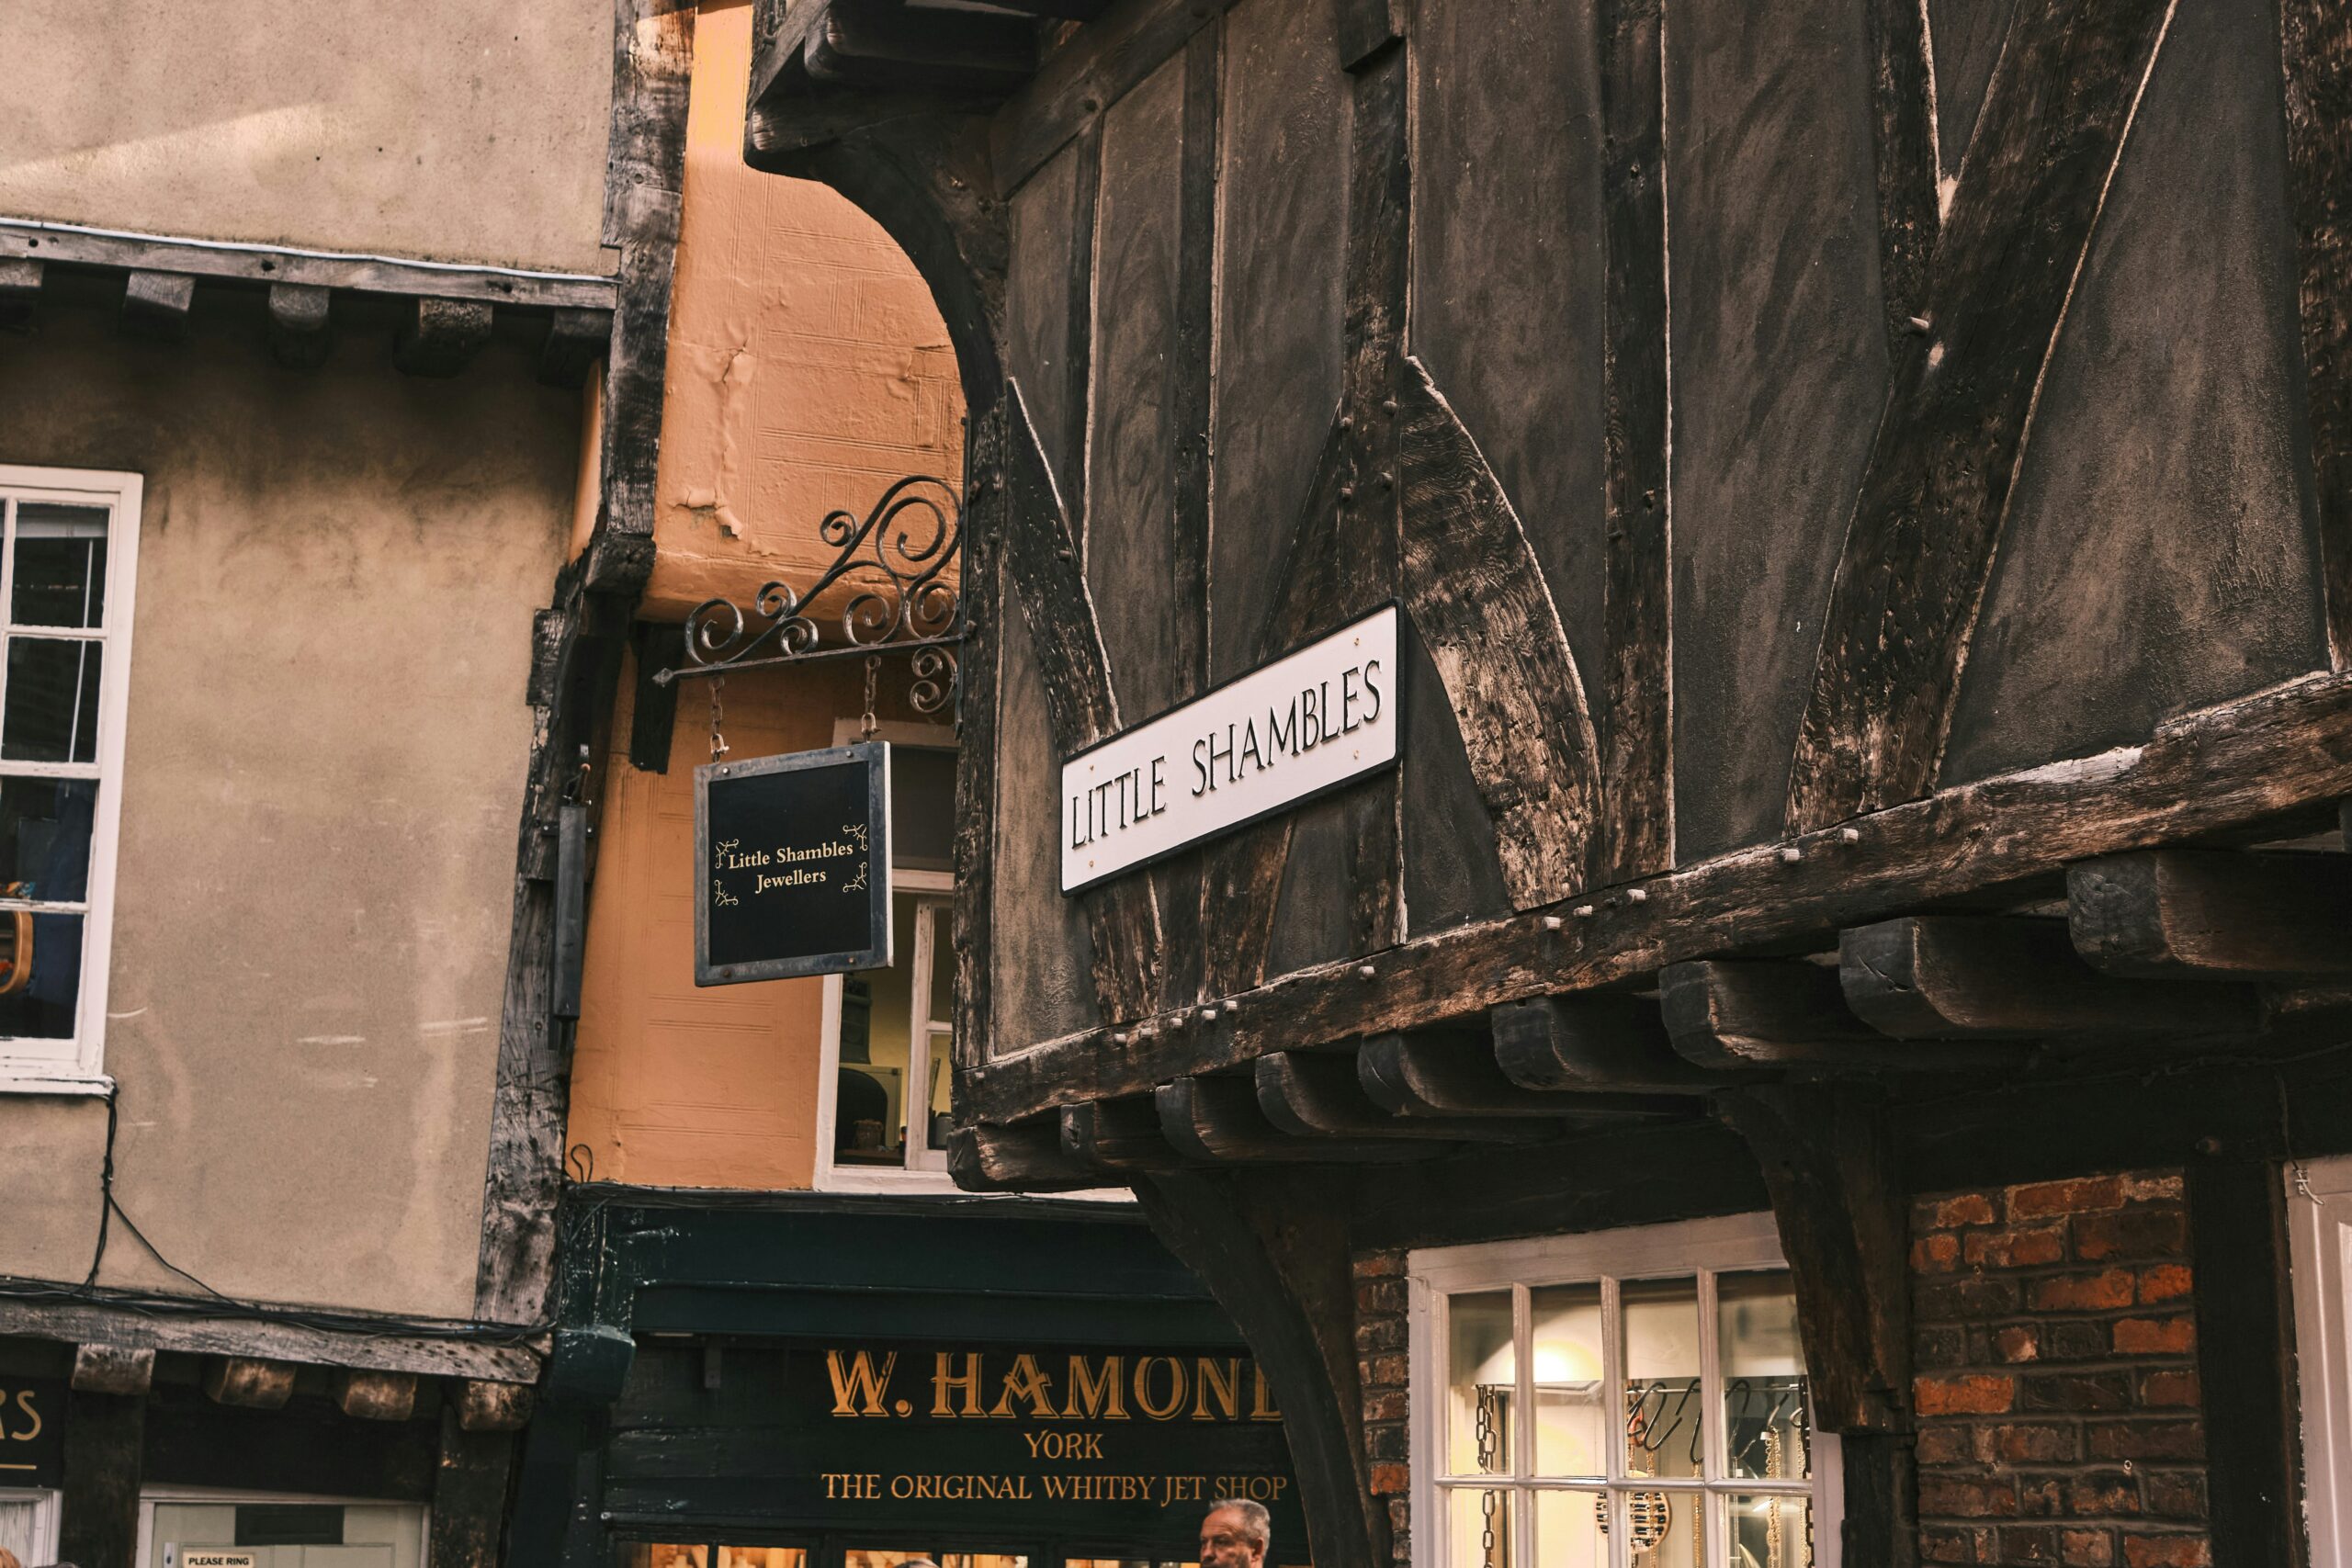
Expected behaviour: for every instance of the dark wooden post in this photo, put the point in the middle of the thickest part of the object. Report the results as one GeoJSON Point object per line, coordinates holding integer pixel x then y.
{"type": "Point", "coordinates": [106, 1438]}
{"type": "Point", "coordinates": [2246, 1362]}
{"type": "Point", "coordinates": [1827, 1160]}
{"type": "Point", "coordinates": [469, 1494]}
{"type": "Point", "coordinates": [1275, 1251]}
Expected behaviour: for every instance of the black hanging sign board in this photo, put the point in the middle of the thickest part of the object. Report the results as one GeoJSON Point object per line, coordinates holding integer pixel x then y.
{"type": "Point", "coordinates": [795, 859]}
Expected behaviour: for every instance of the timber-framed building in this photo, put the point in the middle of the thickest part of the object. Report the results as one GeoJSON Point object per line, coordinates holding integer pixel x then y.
{"type": "Point", "coordinates": [1830, 1039]}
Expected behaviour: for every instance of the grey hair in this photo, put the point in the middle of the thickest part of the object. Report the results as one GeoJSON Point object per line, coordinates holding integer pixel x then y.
{"type": "Point", "coordinates": [1254, 1518]}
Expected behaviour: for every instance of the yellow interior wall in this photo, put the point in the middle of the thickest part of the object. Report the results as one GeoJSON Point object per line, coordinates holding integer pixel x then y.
{"type": "Point", "coordinates": [807, 369]}
{"type": "Point", "coordinates": [808, 365]}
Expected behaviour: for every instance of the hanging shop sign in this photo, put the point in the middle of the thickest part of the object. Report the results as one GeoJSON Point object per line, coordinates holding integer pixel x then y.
{"type": "Point", "coordinates": [1312, 720]}
{"type": "Point", "coordinates": [795, 861]}
{"type": "Point", "coordinates": [1003, 1437]}
{"type": "Point", "coordinates": [32, 1431]}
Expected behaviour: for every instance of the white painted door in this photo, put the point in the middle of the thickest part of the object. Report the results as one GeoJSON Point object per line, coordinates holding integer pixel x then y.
{"type": "Point", "coordinates": [374, 1536]}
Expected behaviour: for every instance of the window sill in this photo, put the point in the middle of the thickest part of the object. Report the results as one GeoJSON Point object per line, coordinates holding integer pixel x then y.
{"type": "Point", "coordinates": [32, 1078]}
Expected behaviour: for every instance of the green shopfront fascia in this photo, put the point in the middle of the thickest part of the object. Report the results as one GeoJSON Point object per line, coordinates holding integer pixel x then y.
{"type": "Point", "coordinates": [830, 1381]}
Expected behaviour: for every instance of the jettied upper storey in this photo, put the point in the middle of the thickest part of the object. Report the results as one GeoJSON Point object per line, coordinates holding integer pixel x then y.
{"type": "Point", "coordinates": [1870, 491]}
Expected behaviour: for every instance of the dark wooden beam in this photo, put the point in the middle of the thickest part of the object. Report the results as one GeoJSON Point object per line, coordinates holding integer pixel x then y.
{"type": "Point", "coordinates": [1902, 144]}
{"type": "Point", "coordinates": [105, 1452]}
{"type": "Point", "coordinates": [1046, 577]}
{"type": "Point", "coordinates": [861, 43]}
{"type": "Point", "coordinates": [1609, 1040]}
{"type": "Point", "coordinates": [2315, 66]}
{"type": "Point", "coordinates": [1025, 1157]}
{"type": "Point", "coordinates": [1453, 1073]}
{"type": "Point", "coordinates": [1920, 548]}
{"type": "Point", "coordinates": [576, 340]}
{"type": "Point", "coordinates": [113, 1369]}
{"type": "Point", "coordinates": [155, 305]}
{"type": "Point", "coordinates": [2225, 769]}
{"type": "Point", "coordinates": [299, 314]}
{"type": "Point", "coordinates": [2217, 913]}
{"type": "Point", "coordinates": [442, 336]}
{"type": "Point", "coordinates": [1272, 1246]}
{"type": "Point", "coordinates": [1988, 976]}
{"type": "Point", "coordinates": [2245, 1361]}
{"type": "Point", "coordinates": [265, 264]}
{"type": "Point", "coordinates": [1215, 1120]}
{"type": "Point", "coordinates": [653, 712]}
{"type": "Point", "coordinates": [1636, 802]}
{"type": "Point", "coordinates": [975, 770]}
{"type": "Point", "coordinates": [1119, 1136]}
{"type": "Point", "coordinates": [1319, 1095]}
{"type": "Point", "coordinates": [1838, 1202]}
{"type": "Point", "coordinates": [1478, 600]}
{"type": "Point", "coordinates": [21, 279]}
{"type": "Point", "coordinates": [469, 1495]}
{"type": "Point", "coordinates": [375, 1396]}
{"type": "Point", "coordinates": [251, 1381]}
{"type": "Point", "coordinates": [1365, 27]}
{"type": "Point", "coordinates": [1788, 1013]}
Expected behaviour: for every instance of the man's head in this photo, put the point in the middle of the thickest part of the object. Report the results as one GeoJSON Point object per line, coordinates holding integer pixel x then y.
{"type": "Point", "coordinates": [1236, 1534]}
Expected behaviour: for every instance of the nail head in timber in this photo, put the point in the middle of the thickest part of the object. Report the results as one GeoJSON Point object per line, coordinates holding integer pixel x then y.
{"type": "Point", "coordinates": [1310, 721]}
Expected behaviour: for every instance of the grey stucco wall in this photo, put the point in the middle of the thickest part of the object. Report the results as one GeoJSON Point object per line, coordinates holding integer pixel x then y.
{"type": "Point", "coordinates": [325, 751]}
{"type": "Point", "coordinates": [452, 130]}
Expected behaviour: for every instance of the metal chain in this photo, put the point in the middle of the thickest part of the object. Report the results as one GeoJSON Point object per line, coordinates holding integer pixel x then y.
{"type": "Point", "coordinates": [868, 725]}
{"type": "Point", "coordinates": [1490, 1408]}
{"type": "Point", "coordinates": [717, 740]}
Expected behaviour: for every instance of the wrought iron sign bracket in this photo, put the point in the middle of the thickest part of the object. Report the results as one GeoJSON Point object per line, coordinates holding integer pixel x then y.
{"type": "Point", "coordinates": [897, 567]}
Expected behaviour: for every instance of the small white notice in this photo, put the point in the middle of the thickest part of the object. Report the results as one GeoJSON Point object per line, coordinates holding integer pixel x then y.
{"type": "Point", "coordinates": [1308, 722]}
{"type": "Point", "coordinates": [213, 1557]}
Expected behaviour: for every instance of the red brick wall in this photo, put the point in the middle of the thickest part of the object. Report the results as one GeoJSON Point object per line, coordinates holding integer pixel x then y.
{"type": "Point", "coordinates": [2057, 1376]}
{"type": "Point", "coordinates": [1380, 1366]}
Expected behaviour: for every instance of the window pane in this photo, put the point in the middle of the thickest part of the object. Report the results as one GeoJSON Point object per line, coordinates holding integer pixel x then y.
{"type": "Point", "coordinates": [53, 703]}
{"type": "Point", "coordinates": [1661, 1340]}
{"type": "Point", "coordinates": [870, 1094]}
{"type": "Point", "coordinates": [1665, 1523]}
{"type": "Point", "coordinates": [60, 566]}
{"type": "Point", "coordinates": [1766, 1419]}
{"type": "Point", "coordinates": [1479, 1523]}
{"type": "Point", "coordinates": [644, 1554]}
{"type": "Point", "coordinates": [1770, 1532]}
{"type": "Point", "coordinates": [45, 838]}
{"type": "Point", "coordinates": [40, 975]}
{"type": "Point", "coordinates": [1481, 1372]}
{"type": "Point", "coordinates": [1569, 1431]}
{"type": "Point", "coordinates": [761, 1557]}
{"type": "Point", "coordinates": [1570, 1529]}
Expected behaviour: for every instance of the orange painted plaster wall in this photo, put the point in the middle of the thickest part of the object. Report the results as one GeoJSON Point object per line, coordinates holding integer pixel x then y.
{"type": "Point", "coordinates": [807, 369]}
{"type": "Point", "coordinates": [808, 364]}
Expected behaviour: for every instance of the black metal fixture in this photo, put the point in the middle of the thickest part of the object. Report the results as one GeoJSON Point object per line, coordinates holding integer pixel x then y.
{"type": "Point", "coordinates": [895, 567]}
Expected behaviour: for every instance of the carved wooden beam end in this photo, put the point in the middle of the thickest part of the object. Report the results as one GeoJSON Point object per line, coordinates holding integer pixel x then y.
{"type": "Point", "coordinates": [2215, 914]}
{"type": "Point", "coordinates": [1773, 1012]}
{"type": "Point", "coordinates": [250, 1381]}
{"type": "Point", "coordinates": [1016, 1157]}
{"type": "Point", "coordinates": [1219, 1119]}
{"type": "Point", "coordinates": [1120, 1135]}
{"type": "Point", "coordinates": [1966, 977]}
{"type": "Point", "coordinates": [1612, 1042]}
{"type": "Point", "coordinates": [112, 1369]}
{"type": "Point", "coordinates": [1453, 1073]}
{"type": "Point", "coordinates": [1318, 1094]}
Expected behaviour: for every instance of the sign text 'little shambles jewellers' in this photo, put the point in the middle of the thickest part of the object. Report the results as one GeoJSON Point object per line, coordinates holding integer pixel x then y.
{"type": "Point", "coordinates": [1312, 720]}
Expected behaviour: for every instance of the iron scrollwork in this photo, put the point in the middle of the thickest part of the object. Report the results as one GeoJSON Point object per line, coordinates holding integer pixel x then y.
{"type": "Point", "coordinates": [903, 595]}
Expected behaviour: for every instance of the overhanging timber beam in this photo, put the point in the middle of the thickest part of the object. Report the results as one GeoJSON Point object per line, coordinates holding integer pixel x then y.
{"type": "Point", "coordinates": [1318, 1094]}
{"type": "Point", "coordinates": [1453, 1073]}
{"type": "Point", "coordinates": [1967, 976]}
{"type": "Point", "coordinates": [2214, 913]}
{"type": "Point", "coordinates": [1789, 1013]}
{"type": "Point", "coordinates": [1217, 1119]}
{"type": "Point", "coordinates": [1120, 1135]}
{"type": "Point", "coordinates": [1594, 1042]}
{"type": "Point", "coordinates": [2266, 762]}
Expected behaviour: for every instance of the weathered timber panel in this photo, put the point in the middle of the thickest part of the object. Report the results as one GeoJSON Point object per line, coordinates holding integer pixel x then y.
{"type": "Point", "coordinates": [1452, 873]}
{"type": "Point", "coordinates": [1966, 37]}
{"type": "Point", "coordinates": [1779, 371]}
{"type": "Point", "coordinates": [2158, 554]}
{"type": "Point", "coordinates": [1045, 950]}
{"type": "Point", "coordinates": [1044, 350]}
{"type": "Point", "coordinates": [1279, 352]}
{"type": "Point", "coordinates": [1508, 268]}
{"type": "Point", "coordinates": [1129, 544]}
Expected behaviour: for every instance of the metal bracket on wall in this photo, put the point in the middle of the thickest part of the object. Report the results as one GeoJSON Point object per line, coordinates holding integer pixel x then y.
{"type": "Point", "coordinates": [894, 570]}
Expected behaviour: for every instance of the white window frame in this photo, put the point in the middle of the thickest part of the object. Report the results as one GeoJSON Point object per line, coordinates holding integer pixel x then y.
{"type": "Point", "coordinates": [1704, 1248]}
{"type": "Point", "coordinates": [76, 1065]}
{"type": "Point", "coordinates": [46, 1519]}
{"type": "Point", "coordinates": [925, 1169]}
{"type": "Point", "coordinates": [2319, 1242]}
